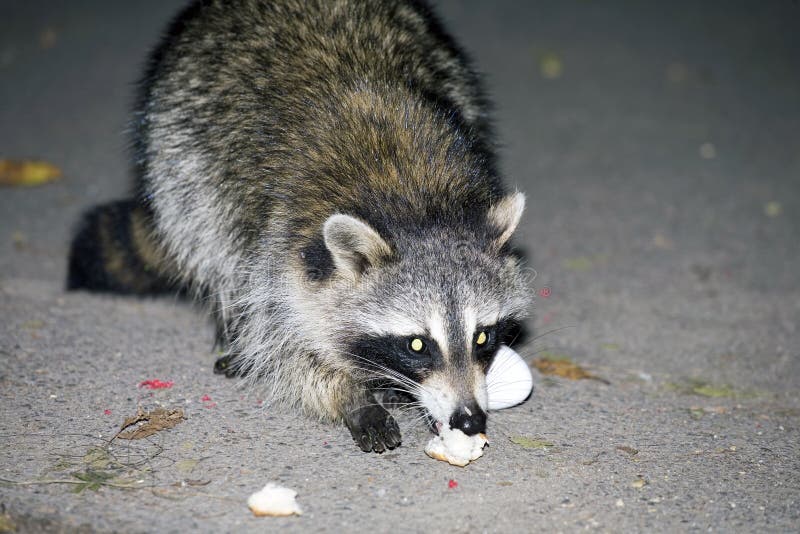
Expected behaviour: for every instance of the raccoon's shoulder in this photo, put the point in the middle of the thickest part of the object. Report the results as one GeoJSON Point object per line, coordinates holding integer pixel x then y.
{"type": "Point", "coordinates": [378, 151]}
{"type": "Point", "coordinates": [284, 53]}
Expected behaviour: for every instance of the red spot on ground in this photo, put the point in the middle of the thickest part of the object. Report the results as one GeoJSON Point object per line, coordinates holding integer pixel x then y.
{"type": "Point", "coordinates": [545, 292]}
{"type": "Point", "coordinates": [106, 412]}
{"type": "Point", "coordinates": [205, 398]}
{"type": "Point", "coordinates": [210, 405]}
{"type": "Point", "coordinates": [452, 484]}
{"type": "Point", "coordinates": [156, 384]}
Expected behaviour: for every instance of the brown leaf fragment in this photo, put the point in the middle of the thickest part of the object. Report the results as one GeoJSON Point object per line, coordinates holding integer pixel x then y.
{"type": "Point", "coordinates": [696, 413]}
{"type": "Point", "coordinates": [663, 242]}
{"type": "Point", "coordinates": [773, 209]}
{"type": "Point", "coordinates": [565, 368]}
{"type": "Point", "coordinates": [550, 66]}
{"type": "Point", "coordinates": [19, 240]}
{"type": "Point", "coordinates": [48, 38]}
{"type": "Point", "coordinates": [186, 465]}
{"type": "Point", "coordinates": [531, 443]}
{"type": "Point", "coordinates": [628, 450]}
{"type": "Point", "coordinates": [27, 173]}
{"type": "Point", "coordinates": [148, 423]}
{"type": "Point", "coordinates": [6, 523]}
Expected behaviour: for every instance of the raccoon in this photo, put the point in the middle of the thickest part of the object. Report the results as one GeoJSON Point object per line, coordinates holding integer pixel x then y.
{"type": "Point", "coordinates": [322, 172]}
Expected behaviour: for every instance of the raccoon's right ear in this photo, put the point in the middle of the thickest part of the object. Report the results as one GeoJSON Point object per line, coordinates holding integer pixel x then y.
{"type": "Point", "coordinates": [504, 217]}
{"type": "Point", "coordinates": [354, 244]}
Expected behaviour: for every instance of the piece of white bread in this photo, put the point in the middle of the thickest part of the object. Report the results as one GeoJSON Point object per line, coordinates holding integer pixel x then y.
{"type": "Point", "coordinates": [455, 447]}
{"type": "Point", "coordinates": [274, 500]}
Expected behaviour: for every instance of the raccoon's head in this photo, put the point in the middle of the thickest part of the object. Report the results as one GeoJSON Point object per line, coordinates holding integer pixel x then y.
{"type": "Point", "coordinates": [426, 310]}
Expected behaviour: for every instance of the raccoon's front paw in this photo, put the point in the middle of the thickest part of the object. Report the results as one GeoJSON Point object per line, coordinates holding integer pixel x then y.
{"type": "Point", "coordinates": [373, 429]}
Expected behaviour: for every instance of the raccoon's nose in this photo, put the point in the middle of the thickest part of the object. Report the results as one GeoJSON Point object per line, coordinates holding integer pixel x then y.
{"type": "Point", "coordinates": [469, 419]}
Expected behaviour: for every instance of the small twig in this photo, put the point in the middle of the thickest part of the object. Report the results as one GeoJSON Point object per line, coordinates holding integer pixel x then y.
{"type": "Point", "coordinates": [169, 493]}
{"type": "Point", "coordinates": [66, 481]}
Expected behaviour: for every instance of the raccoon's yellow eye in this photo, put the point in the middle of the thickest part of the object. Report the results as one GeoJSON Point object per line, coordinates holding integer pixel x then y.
{"type": "Point", "coordinates": [481, 339]}
{"type": "Point", "coordinates": [416, 344]}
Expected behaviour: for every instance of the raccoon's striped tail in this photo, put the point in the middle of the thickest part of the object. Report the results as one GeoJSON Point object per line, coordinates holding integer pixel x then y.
{"type": "Point", "coordinates": [115, 250]}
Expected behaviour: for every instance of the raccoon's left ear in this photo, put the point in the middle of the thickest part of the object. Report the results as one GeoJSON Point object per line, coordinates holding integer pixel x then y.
{"type": "Point", "coordinates": [354, 244]}
{"type": "Point", "coordinates": [504, 217]}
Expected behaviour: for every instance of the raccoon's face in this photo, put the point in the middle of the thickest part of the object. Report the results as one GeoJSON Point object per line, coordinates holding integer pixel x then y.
{"type": "Point", "coordinates": [427, 315]}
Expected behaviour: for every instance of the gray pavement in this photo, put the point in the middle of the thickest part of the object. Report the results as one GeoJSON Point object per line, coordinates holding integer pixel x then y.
{"type": "Point", "coordinates": [659, 144]}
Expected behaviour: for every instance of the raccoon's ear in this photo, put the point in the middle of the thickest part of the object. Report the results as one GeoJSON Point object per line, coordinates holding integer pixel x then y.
{"type": "Point", "coordinates": [504, 216]}
{"type": "Point", "coordinates": [354, 244]}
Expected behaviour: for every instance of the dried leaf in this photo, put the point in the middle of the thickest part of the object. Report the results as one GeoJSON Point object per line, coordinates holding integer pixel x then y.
{"type": "Point", "coordinates": [6, 523]}
{"type": "Point", "coordinates": [27, 173]}
{"type": "Point", "coordinates": [531, 443]}
{"type": "Point", "coordinates": [97, 458]}
{"type": "Point", "coordinates": [150, 422]}
{"type": "Point", "coordinates": [707, 390]}
{"type": "Point", "coordinates": [48, 38]}
{"type": "Point", "coordinates": [554, 357]}
{"type": "Point", "coordinates": [663, 242]}
{"type": "Point", "coordinates": [628, 450]}
{"type": "Point", "coordinates": [696, 386]}
{"type": "Point", "coordinates": [585, 263]}
{"type": "Point", "coordinates": [550, 66]}
{"type": "Point", "coordinates": [33, 324]}
{"type": "Point", "coordinates": [559, 365]}
{"type": "Point", "coordinates": [580, 264]}
{"type": "Point", "coordinates": [92, 480]}
{"type": "Point", "coordinates": [186, 466]}
{"type": "Point", "coordinates": [696, 413]}
{"type": "Point", "coordinates": [639, 483]}
{"type": "Point", "coordinates": [20, 242]}
{"type": "Point", "coordinates": [773, 209]}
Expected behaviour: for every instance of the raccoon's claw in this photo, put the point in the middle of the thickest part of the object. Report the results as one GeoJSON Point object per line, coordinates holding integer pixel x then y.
{"type": "Point", "coordinates": [373, 429]}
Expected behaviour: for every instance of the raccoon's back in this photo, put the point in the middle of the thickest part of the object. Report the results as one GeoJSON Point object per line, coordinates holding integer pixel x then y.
{"type": "Point", "coordinates": [267, 116]}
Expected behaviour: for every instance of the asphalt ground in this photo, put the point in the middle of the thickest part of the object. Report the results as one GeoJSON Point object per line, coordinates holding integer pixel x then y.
{"type": "Point", "coordinates": [659, 145]}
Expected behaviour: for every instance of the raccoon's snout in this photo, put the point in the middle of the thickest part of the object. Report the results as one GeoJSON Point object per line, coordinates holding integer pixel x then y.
{"type": "Point", "coordinates": [470, 419]}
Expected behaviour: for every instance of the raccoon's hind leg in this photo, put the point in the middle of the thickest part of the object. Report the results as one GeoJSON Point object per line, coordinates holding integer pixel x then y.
{"type": "Point", "coordinates": [230, 361]}
{"type": "Point", "coordinates": [227, 360]}
{"type": "Point", "coordinates": [116, 250]}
